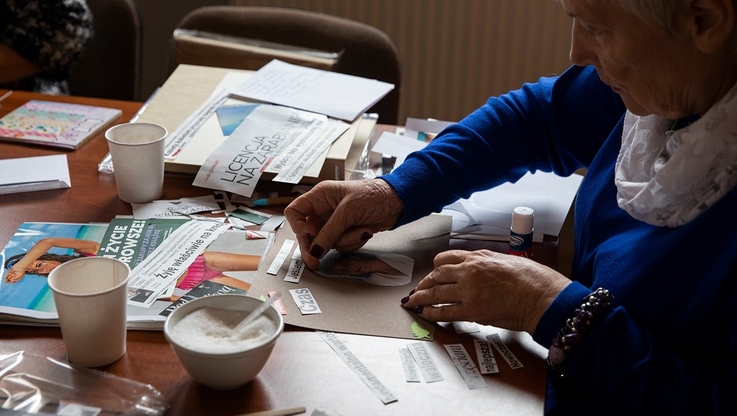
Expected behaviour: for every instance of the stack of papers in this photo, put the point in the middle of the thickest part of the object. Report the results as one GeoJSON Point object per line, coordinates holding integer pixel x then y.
{"type": "Point", "coordinates": [233, 128]}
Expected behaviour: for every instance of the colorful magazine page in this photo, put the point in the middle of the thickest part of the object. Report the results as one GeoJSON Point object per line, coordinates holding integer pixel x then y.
{"type": "Point", "coordinates": [29, 295]}
{"type": "Point", "coordinates": [228, 265]}
{"type": "Point", "coordinates": [55, 124]}
{"type": "Point", "coordinates": [28, 300]}
{"type": "Point", "coordinates": [241, 255]}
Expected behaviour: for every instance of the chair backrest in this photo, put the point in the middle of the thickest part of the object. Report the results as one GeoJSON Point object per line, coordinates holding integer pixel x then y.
{"type": "Point", "coordinates": [110, 65]}
{"type": "Point", "coordinates": [364, 50]}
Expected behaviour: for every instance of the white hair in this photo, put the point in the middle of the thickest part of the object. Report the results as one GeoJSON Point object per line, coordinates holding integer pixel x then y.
{"type": "Point", "coordinates": [659, 13]}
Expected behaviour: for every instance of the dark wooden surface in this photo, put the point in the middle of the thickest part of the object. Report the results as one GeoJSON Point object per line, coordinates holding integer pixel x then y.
{"type": "Point", "coordinates": [303, 370]}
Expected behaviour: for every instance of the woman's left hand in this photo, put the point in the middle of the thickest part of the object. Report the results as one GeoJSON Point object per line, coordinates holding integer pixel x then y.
{"type": "Point", "coordinates": [13, 276]}
{"type": "Point", "coordinates": [488, 288]}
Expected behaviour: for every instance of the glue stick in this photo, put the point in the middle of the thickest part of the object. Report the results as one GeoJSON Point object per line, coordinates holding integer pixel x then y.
{"type": "Point", "coordinates": [520, 234]}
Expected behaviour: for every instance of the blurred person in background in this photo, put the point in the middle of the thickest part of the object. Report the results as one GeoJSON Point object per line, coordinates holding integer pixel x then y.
{"type": "Point", "coordinates": [39, 42]}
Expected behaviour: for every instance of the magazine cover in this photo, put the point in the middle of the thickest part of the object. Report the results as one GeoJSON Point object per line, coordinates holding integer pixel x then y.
{"type": "Point", "coordinates": [228, 265]}
{"type": "Point", "coordinates": [55, 124]}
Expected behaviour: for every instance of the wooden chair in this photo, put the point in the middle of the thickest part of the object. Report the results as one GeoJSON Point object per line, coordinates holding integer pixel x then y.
{"type": "Point", "coordinates": [110, 65]}
{"type": "Point", "coordinates": [363, 50]}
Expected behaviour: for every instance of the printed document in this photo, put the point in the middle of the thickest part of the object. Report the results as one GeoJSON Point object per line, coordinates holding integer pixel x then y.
{"type": "Point", "coordinates": [237, 164]}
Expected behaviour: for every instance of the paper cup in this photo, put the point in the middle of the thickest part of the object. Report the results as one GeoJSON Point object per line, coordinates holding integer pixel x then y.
{"type": "Point", "coordinates": [137, 150]}
{"type": "Point", "coordinates": [91, 295]}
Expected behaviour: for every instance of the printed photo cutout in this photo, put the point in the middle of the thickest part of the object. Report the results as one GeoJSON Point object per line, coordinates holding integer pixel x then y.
{"type": "Point", "coordinates": [380, 269]}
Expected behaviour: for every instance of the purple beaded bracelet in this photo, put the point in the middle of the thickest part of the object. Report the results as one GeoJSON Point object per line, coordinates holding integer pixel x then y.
{"type": "Point", "coordinates": [594, 307]}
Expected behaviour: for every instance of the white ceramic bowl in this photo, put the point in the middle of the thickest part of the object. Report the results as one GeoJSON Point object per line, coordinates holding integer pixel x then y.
{"type": "Point", "coordinates": [224, 371]}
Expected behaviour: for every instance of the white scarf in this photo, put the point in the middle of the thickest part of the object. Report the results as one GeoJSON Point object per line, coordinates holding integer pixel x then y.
{"type": "Point", "coordinates": [669, 178]}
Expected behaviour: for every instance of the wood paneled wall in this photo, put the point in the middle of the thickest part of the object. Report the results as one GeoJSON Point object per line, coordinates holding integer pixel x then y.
{"type": "Point", "coordinates": [457, 53]}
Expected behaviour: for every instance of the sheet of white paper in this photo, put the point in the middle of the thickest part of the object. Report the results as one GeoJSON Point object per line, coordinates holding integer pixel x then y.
{"type": "Point", "coordinates": [238, 163]}
{"type": "Point", "coordinates": [35, 173]}
{"type": "Point", "coordinates": [175, 207]}
{"type": "Point", "coordinates": [397, 145]}
{"type": "Point", "coordinates": [548, 194]}
{"type": "Point", "coordinates": [488, 214]}
{"type": "Point", "coordinates": [331, 93]}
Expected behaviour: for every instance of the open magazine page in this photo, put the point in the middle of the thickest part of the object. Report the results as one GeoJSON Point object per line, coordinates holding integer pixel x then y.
{"type": "Point", "coordinates": [227, 265]}
{"type": "Point", "coordinates": [27, 296]}
{"type": "Point", "coordinates": [173, 260]}
{"type": "Point", "coordinates": [233, 250]}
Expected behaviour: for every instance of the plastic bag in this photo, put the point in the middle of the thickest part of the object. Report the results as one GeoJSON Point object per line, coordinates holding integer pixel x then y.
{"type": "Point", "coordinates": [34, 384]}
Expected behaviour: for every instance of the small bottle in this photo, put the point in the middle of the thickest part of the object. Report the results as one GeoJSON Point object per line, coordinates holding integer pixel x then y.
{"type": "Point", "coordinates": [520, 234]}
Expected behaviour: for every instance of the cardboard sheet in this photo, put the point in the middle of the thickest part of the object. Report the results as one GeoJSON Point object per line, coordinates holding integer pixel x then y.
{"type": "Point", "coordinates": [353, 305]}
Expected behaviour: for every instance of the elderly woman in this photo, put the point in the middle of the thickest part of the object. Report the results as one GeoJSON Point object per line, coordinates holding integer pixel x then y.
{"type": "Point", "coordinates": [648, 322]}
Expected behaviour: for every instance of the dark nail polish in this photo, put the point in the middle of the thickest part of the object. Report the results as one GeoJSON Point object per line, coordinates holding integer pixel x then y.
{"type": "Point", "coordinates": [365, 236]}
{"type": "Point", "coordinates": [411, 292]}
{"type": "Point", "coordinates": [404, 300]}
{"type": "Point", "coordinates": [418, 309]}
{"type": "Point", "coordinates": [316, 251]}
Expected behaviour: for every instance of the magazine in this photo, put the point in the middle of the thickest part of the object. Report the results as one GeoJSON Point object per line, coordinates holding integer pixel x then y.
{"type": "Point", "coordinates": [27, 299]}
{"type": "Point", "coordinates": [55, 124]}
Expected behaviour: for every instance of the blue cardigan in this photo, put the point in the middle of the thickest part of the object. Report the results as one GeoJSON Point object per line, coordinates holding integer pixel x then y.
{"type": "Point", "coordinates": [670, 344]}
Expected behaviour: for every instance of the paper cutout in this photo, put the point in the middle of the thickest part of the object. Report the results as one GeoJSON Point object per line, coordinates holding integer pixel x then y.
{"type": "Point", "coordinates": [231, 116]}
{"type": "Point", "coordinates": [408, 364]}
{"type": "Point", "coordinates": [280, 257]}
{"type": "Point", "coordinates": [429, 370]}
{"type": "Point", "coordinates": [508, 356]}
{"type": "Point", "coordinates": [485, 356]}
{"type": "Point", "coordinates": [381, 391]}
{"type": "Point", "coordinates": [465, 366]}
{"type": "Point", "coordinates": [418, 331]}
{"type": "Point", "coordinates": [380, 269]}
{"type": "Point", "coordinates": [278, 305]}
{"type": "Point", "coordinates": [296, 267]}
{"type": "Point", "coordinates": [305, 301]}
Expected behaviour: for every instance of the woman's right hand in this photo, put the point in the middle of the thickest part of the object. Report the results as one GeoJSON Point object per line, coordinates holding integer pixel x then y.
{"type": "Point", "coordinates": [343, 215]}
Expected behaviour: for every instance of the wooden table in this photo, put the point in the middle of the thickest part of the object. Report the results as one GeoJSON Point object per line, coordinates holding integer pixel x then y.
{"type": "Point", "coordinates": [303, 370]}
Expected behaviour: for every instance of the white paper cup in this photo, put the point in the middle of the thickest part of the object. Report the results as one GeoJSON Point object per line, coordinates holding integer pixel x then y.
{"type": "Point", "coordinates": [91, 295]}
{"type": "Point", "coordinates": [137, 150]}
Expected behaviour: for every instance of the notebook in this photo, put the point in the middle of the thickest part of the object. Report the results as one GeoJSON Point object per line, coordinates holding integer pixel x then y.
{"type": "Point", "coordinates": [55, 124]}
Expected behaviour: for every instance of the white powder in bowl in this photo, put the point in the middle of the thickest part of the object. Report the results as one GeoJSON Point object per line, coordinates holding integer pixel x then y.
{"type": "Point", "coordinates": [211, 330]}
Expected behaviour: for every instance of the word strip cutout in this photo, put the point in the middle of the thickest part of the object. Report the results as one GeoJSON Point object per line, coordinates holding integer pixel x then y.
{"type": "Point", "coordinates": [430, 372]}
{"type": "Point", "coordinates": [510, 358]}
{"type": "Point", "coordinates": [485, 356]}
{"type": "Point", "coordinates": [373, 383]}
{"type": "Point", "coordinates": [408, 363]}
{"type": "Point", "coordinates": [465, 366]}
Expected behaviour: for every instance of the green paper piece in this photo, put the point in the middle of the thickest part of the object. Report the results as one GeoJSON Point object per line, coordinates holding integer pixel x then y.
{"type": "Point", "coordinates": [418, 331]}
